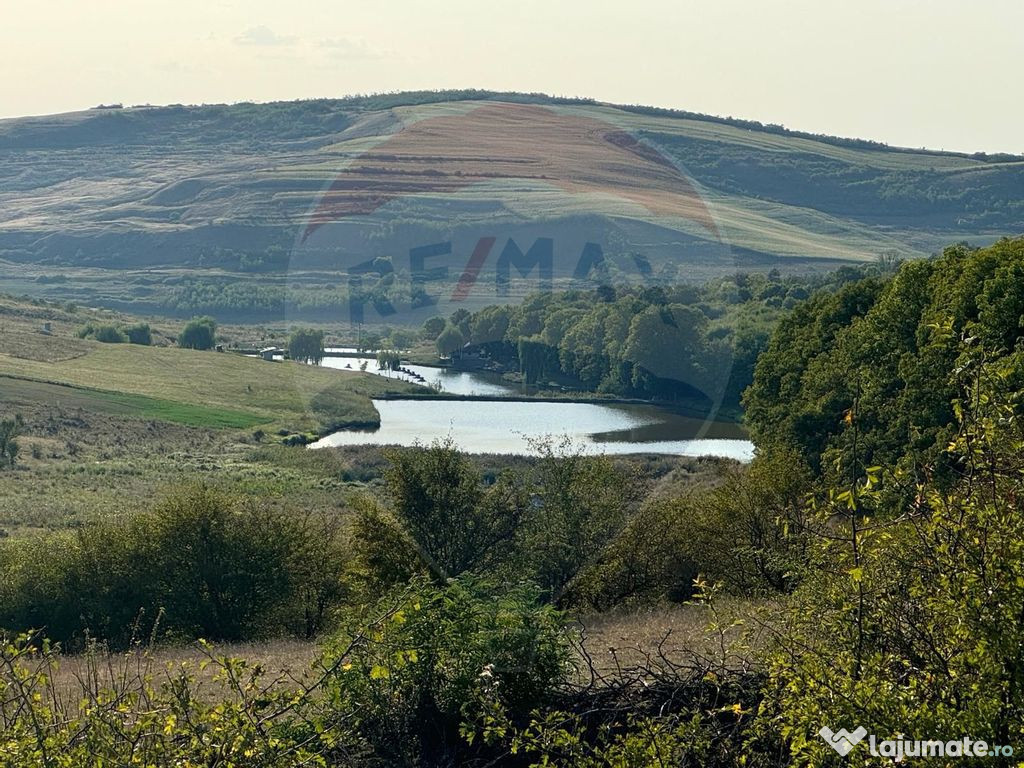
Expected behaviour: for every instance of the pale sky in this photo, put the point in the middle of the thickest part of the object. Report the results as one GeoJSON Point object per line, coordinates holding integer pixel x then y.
{"type": "Point", "coordinates": [946, 74]}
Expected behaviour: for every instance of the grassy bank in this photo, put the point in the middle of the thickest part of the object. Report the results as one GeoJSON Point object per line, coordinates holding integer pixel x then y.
{"type": "Point", "coordinates": [280, 393]}
{"type": "Point", "coordinates": [16, 390]}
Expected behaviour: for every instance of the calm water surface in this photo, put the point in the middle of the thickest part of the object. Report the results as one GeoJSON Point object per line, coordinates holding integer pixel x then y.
{"type": "Point", "coordinates": [511, 427]}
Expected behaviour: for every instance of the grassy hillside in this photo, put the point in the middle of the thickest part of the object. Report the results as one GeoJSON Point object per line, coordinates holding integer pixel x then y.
{"type": "Point", "coordinates": [40, 355]}
{"type": "Point", "coordinates": [110, 425]}
{"type": "Point", "coordinates": [181, 209]}
{"type": "Point", "coordinates": [226, 383]}
{"type": "Point", "coordinates": [16, 390]}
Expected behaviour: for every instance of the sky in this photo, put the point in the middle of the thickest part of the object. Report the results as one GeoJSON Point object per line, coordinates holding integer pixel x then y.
{"type": "Point", "coordinates": [942, 74]}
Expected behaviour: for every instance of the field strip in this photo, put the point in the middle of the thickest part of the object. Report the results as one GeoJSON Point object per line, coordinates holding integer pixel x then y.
{"type": "Point", "coordinates": [19, 388]}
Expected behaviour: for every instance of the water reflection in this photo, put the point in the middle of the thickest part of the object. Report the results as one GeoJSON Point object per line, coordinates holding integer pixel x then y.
{"type": "Point", "coordinates": [510, 427]}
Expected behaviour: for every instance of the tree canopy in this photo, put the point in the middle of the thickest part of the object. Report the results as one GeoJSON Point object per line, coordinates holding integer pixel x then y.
{"type": "Point", "coordinates": [199, 333]}
{"type": "Point", "coordinates": [450, 341]}
{"type": "Point", "coordinates": [881, 351]}
{"type": "Point", "coordinates": [306, 345]}
{"type": "Point", "coordinates": [679, 342]}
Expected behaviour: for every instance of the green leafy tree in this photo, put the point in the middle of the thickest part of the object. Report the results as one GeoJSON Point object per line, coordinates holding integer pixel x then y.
{"type": "Point", "coordinates": [199, 333]}
{"type": "Point", "coordinates": [578, 504]}
{"type": "Point", "coordinates": [558, 322]}
{"type": "Point", "coordinates": [221, 565]}
{"type": "Point", "coordinates": [460, 319]}
{"type": "Point", "coordinates": [432, 328]}
{"type": "Point", "coordinates": [910, 620]}
{"type": "Point", "coordinates": [389, 360]}
{"type": "Point", "coordinates": [306, 345]}
{"type": "Point", "coordinates": [582, 351]}
{"type": "Point", "coordinates": [139, 333]}
{"type": "Point", "coordinates": [401, 339]}
{"type": "Point", "coordinates": [490, 324]}
{"type": "Point", "coordinates": [747, 534]}
{"type": "Point", "coordinates": [437, 495]}
{"type": "Point", "coordinates": [669, 343]}
{"type": "Point", "coordinates": [109, 334]}
{"type": "Point", "coordinates": [10, 431]}
{"type": "Point", "coordinates": [888, 344]}
{"type": "Point", "coordinates": [538, 361]}
{"type": "Point", "coordinates": [450, 341]}
{"type": "Point", "coordinates": [370, 341]}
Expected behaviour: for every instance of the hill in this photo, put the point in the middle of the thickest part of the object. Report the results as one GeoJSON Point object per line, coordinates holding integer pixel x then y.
{"type": "Point", "coordinates": [107, 426]}
{"type": "Point", "coordinates": [43, 360]}
{"type": "Point", "coordinates": [171, 209]}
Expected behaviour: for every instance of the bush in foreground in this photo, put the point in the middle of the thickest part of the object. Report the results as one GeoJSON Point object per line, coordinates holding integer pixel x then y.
{"type": "Point", "coordinates": [910, 621]}
{"type": "Point", "coordinates": [203, 564]}
{"type": "Point", "coordinates": [431, 676]}
{"type": "Point", "coordinates": [409, 675]}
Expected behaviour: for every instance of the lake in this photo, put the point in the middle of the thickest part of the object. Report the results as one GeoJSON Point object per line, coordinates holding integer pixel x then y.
{"type": "Point", "coordinates": [509, 427]}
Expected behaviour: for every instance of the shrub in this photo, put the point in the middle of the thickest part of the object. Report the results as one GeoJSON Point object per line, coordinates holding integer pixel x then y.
{"type": "Point", "coordinates": [409, 673]}
{"type": "Point", "coordinates": [139, 333]}
{"type": "Point", "coordinates": [436, 494]}
{"type": "Point", "coordinates": [389, 360]}
{"type": "Point", "coordinates": [385, 554]}
{"type": "Point", "coordinates": [911, 623]}
{"type": "Point", "coordinates": [647, 562]}
{"type": "Point", "coordinates": [10, 430]}
{"type": "Point", "coordinates": [577, 505]}
{"type": "Point", "coordinates": [203, 564]}
{"type": "Point", "coordinates": [222, 566]}
{"type": "Point", "coordinates": [748, 534]}
{"type": "Point", "coordinates": [113, 713]}
{"type": "Point", "coordinates": [108, 334]}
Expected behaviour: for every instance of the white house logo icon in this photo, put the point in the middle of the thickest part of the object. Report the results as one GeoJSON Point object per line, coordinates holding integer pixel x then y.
{"type": "Point", "coordinates": [842, 741]}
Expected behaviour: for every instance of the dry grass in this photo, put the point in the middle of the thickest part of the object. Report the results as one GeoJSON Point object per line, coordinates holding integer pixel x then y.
{"type": "Point", "coordinates": [616, 642]}
{"type": "Point", "coordinates": [288, 660]}
{"type": "Point", "coordinates": [42, 333]}
{"type": "Point", "coordinates": [80, 463]}
{"type": "Point", "coordinates": [621, 640]}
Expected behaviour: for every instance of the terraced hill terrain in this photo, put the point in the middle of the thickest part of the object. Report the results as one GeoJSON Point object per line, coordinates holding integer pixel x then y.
{"type": "Point", "coordinates": [185, 209]}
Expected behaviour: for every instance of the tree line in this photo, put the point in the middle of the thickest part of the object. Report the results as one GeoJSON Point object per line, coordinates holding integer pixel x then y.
{"type": "Point", "coordinates": [687, 342]}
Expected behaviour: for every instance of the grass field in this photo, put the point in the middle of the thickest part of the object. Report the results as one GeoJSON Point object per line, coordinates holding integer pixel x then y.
{"type": "Point", "coordinates": [110, 427]}
{"type": "Point", "coordinates": [614, 643]}
{"type": "Point", "coordinates": [210, 389]}
{"type": "Point", "coordinates": [15, 391]}
{"type": "Point", "coordinates": [85, 457]}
